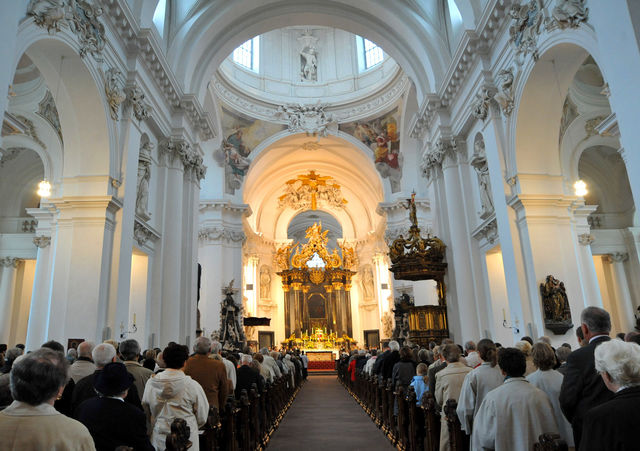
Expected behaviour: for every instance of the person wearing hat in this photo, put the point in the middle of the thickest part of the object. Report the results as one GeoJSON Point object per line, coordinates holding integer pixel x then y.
{"type": "Point", "coordinates": [111, 421]}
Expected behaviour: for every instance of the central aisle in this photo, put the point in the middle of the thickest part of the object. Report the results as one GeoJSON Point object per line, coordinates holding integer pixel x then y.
{"type": "Point", "coordinates": [325, 417]}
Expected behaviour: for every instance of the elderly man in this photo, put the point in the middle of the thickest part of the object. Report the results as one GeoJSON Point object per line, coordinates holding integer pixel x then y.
{"type": "Point", "coordinates": [230, 368]}
{"type": "Point", "coordinates": [130, 353]}
{"type": "Point", "coordinates": [111, 421]}
{"type": "Point", "coordinates": [614, 423]}
{"type": "Point", "coordinates": [582, 388]}
{"type": "Point", "coordinates": [512, 416]}
{"type": "Point", "coordinates": [390, 360]}
{"type": "Point", "coordinates": [247, 376]}
{"type": "Point", "coordinates": [209, 373]}
{"type": "Point", "coordinates": [448, 386]}
{"type": "Point", "coordinates": [84, 365]}
{"type": "Point", "coordinates": [270, 363]}
{"type": "Point", "coordinates": [102, 355]}
{"type": "Point", "coordinates": [472, 358]}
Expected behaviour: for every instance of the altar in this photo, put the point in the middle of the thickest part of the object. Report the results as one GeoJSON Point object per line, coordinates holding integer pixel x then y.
{"type": "Point", "coordinates": [321, 360]}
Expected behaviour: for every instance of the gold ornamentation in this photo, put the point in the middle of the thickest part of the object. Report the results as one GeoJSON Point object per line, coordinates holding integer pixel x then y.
{"type": "Point", "coordinates": [316, 275]}
{"type": "Point", "coordinates": [282, 256]}
{"type": "Point", "coordinates": [349, 258]}
{"type": "Point", "coordinates": [316, 244]}
{"type": "Point", "coordinates": [304, 192]}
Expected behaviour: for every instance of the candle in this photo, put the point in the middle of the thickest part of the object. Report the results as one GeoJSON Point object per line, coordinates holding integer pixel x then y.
{"type": "Point", "coordinates": [504, 315]}
{"type": "Point", "coordinates": [134, 318]}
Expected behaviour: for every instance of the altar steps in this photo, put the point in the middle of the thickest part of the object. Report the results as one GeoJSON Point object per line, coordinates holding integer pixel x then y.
{"type": "Point", "coordinates": [322, 372]}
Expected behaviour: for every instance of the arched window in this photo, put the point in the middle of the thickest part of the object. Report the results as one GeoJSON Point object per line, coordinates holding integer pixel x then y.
{"type": "Point", "coordinates": [369, 53]}
{"type": "Point", "coordinates": [248, 54]}
{"type": "Point", "coordinates": [159, 16]}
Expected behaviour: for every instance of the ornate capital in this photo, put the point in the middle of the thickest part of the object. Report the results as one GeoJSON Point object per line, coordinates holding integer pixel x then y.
{"type": "Point", "coordinates": [221, 234]}
{"type": "Point", "coordinates": [179, 150]}
{"type": "Point", "coordinates": [8, 262]}
{"type": "Point", "coordinates": [42, 241]}
{"type": "Point", "coordinates": [618, 257]}
{"type": "Point", "coordinates": [487, 230]}
{"type": "Point", "coordinates": [586, 239]}
{"type": "Point", "coordinates": [141, 233]}
{"type": "Point", "coordinates": [480, 106]}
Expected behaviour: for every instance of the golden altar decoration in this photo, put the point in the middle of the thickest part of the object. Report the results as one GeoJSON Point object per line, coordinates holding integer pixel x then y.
{"type": "Point", "coordinates": [317, 284]}
{"type": "Point", "coordinates": [417, 258]}
{"type": "Point", "coordinates": [304, 192]}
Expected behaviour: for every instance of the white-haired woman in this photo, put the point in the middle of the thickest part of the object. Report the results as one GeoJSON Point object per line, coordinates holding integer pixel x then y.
{"type": "Point", "coordinates": [31, 422]}
{"type": "Point", "coordinates": [613, 424]}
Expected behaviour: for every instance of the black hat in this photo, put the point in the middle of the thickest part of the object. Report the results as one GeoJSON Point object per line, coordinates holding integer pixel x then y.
{"type": "Point", "coordinates": [113, 379]}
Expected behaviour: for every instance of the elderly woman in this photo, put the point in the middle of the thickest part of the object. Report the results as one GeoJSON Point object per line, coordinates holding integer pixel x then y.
{"type": "Point", "coordinates": [172, 394]}
{"type": "Point", "coordinates": [549, 381]}
{"type": "Point", "coordinates": [31, 422]}
{"type": "Point", "coordinates": [614, 424]}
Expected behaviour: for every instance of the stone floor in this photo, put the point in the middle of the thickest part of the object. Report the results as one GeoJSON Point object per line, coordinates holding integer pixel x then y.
{"type": "Point", "coordinates": [325, 417]}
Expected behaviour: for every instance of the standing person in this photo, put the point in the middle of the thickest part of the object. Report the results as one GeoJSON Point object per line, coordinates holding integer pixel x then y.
{"type": "Point", "coordinates": [305, 365]}
{"type": "Point", "coordinates": [172, 394]}
{"type": "Point", "coordinates": [377, 367]}
{"type": "Point", "coordinates": [582, 388]}
{"type": "Point", "coordinates": [448, 385]}
{"type": "Point", "coordinates": [614, 423]}
{"type": "Point", "coordinates": [478, 383]}
{"type": "Point", "coordinates": [549, 381]}
{"type": "Point", "coordinates": [512, 416]}
{"type": "Point", "coordinates": [111, 421]}
{"type": "Point", "coordinates": [31, 422]}
{"type": "Point", "coordinates": [130, 353]}
{"type": "Point", "coordinates": [472, 357]}
{"type": "Point", "coordinates": [247, 376]}
{"type": "Point", "coordinates": [209, 373]}
{"type": "Point", "coordinates": [405, 369]}
{"type": "Point", "coordinates": [419, 382]}
{"type": "Point", "coordinates": [216, 348]}
{"type": "Point", "coordinates": [84, 365]}
{"type": "Point", "coordinates": [390, 360]}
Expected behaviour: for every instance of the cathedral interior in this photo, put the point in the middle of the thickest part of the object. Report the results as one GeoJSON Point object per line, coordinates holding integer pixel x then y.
{"type": "Point", "coordinates": [155, 153]}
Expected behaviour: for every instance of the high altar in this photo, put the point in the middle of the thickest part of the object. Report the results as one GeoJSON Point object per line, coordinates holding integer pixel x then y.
{"type": "Point", "coordinates": [317, 286]}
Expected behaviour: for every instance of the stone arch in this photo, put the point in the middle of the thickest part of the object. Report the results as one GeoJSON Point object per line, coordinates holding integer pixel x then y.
{"type": "Point", "coordinates": [542, 85]}
{"type": "Point", "coordinates": [76, 84]}
{"type": "Point", "coordinates": [211, 36]}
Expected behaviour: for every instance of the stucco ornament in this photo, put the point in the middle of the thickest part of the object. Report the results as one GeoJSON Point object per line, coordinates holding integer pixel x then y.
{"type": "Point", "coordinates": [309, 119]}
{"type": "Point", "coordinates": [308, 57]}
{"type": "Point", "coordinates": [569, 13]}
{"type": "Point", "coordinates": [114, 92]}
{"type": "Point", "coordinates": [504, 96]}
{"type": "Point", "coordinates": [81, 16]}
{"type": "Point", "coordinates": [135, 97]}
{"type": "Point", "coordinates": [480, 107]}
{"type": "Point", "coordinates": [525, 28]}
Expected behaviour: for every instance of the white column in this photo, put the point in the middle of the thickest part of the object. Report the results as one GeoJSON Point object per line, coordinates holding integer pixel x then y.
{"type": "Point", "coordinates": [463, 299]}
{"type": "Point", "coordinates": [38, 326]}
{"type": "Point", "coordinates": [220, 254]}
{"type": "Point", "coordinates": [12, 12]}
{"type": "Point", "coordinates": [8, 266]}
{"type": "Point", "coordinates": [617, 42]}
{"type": "Point", "coordinates": [170, 317]}
{"type": "Point", "coordinates": [621, 287]}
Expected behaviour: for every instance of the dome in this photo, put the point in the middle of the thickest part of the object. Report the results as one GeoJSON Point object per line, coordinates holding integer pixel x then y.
{"type": "Point", "coordinates": [306, 64]}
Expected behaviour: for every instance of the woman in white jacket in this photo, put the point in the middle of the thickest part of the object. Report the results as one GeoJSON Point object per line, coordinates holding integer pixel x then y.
{"type": "Point", "coordinates": [172, 394]}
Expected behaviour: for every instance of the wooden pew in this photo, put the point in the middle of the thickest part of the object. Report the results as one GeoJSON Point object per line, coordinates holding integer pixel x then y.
{"type": "Point", "coordinates": [431, 422]}
{"type": "Point", "coordinates": [550, 442]}
{"type": "Point", "coordinates": [458, 440]}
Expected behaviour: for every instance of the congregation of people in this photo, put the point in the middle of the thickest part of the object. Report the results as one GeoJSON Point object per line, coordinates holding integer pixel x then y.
{"type": "Point", "coordinates": [113, 396]}
{"type": "Point", "coordinates": [507, 397]}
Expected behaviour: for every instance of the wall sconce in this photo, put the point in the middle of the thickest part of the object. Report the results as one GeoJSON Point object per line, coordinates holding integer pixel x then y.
{"type": "Point", "coordinates": [44, 189]}
{"type": "Point", "coordinates": [580, 188]}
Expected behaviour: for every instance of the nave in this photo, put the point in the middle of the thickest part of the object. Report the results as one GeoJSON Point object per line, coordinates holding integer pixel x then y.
{"type": "Point", "coordinates": [325, 417]}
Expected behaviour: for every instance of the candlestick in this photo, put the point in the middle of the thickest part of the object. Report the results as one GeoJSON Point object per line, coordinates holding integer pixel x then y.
{"type": "Point", "coordinates": [504, 315]}
{"type": "Point", "coordinates": [134, 318]}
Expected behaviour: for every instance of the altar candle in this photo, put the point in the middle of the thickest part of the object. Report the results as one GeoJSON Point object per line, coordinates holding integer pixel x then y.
{"type": "Point", "coordinates": [504, 315]}
{"type": "Point", "coordinates": [134, 318]}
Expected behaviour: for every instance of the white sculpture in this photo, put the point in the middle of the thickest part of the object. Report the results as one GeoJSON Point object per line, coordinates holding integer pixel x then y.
{"type": "Point", "coordinates": [479, 162]}
{"type": "Point", "coordinates": [114, 92]}
{"type": "Point", "coordinates": [504, 96]}
{"type": "Point", "coordinates": [308, 57]}
{"type": "Point", "coordinates": [570, 13]}
{"type": "Point", "coordinates": [367, 283]}
{"type": "Point", "coordinates": [144, 175]}
{"type": "Point", "coordinates": [265, 283]}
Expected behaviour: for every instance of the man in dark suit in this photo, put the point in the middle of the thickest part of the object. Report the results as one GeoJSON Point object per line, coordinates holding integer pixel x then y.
{"type": "Point", "coordinates": [390, 360]}
{"type": "Point", "coordinates": [111, 421]}
{"type": "Point", "coordinates": [247, 376]}
{"type": "Point", "coordinates": [613, 424]}
{"type": "Point", "coordinates": [102, 355]}
{"type": "Point", "coordinates": [377, 367]}
{"type": "Point", "coordinates": [582, 388]}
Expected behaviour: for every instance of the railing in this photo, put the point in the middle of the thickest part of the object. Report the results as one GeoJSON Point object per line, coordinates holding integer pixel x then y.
{"type": "Point", "coordinates": [248, 423]}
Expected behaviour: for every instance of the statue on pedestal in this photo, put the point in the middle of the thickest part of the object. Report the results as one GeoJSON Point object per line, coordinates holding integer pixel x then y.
{"type": "Point", "coordinates": [557, 315]}
{"type": "Point", "coordinates": [231, 327]}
